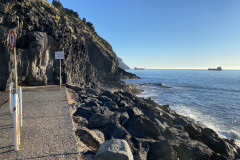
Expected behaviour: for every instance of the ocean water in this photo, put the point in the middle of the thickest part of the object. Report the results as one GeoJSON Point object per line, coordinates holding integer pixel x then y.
{"type": "Point", "coordinates": [211, 97]}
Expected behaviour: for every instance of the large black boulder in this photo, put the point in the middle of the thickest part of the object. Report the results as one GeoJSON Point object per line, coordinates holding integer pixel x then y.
{"type": "Point", "coordinates": [116, 131]}
{"type": "Point", "coordinates": [142, 127]}
{"type": "Point", "coordinates": [98, 121]}
{"type": "Point", "coordinates": [161, 150]}
{"type": "Point", "coordinates": [218, 146]}
{"type": "Point", "coordinates": [83, 112]}
{"type": "Point", "coordinates": [112, 106]}
{"type": "Point", "coordinates": [193, 150]}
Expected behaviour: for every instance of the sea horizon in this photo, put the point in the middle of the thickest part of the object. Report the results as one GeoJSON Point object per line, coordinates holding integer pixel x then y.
{"type": "Point", "coordinates": [202, 95]}
{"type": "Point", "coordinates": [228, 69]}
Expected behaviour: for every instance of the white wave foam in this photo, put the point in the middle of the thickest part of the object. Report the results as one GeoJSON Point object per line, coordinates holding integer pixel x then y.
{"type": "Point", "coordinates": [237, 142]}
{"type": "Point", "coordinates": [146, 94]}
{"type": "Point", "coordinates": [208, 121]}
{"type": "Point", "coordinates": [230, 134]}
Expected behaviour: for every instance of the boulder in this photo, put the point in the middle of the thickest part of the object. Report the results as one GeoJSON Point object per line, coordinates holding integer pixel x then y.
{"type": "Point", "coordinates": [98, 121]}
{"type": "Point", "coordinates": [142, 127]}
{"type": "Point", "coordinates": [141, 155]}
{"type": "Point", "coordinates": [193, 150]}
{"type": "Point", "coordinates": [113, 96]}
{"type": "Point", "coordinates": [180, 121]}
{"type": "Point", "coordinates": [92, 103]}
{"type": "Point", "coordinates": [217, 156]}
{"type": "Point", "coordinates": [93, 92]}
{"type": "Point", "coordinates": [83, 113]}
{"type": "Point", "coordinates": [165, 121]}
{"type": "Point", "coordinates": [149, 100]}
{"type": "Point", "coordinates": [123, 103]}
{"type": "Point", "coordinates": [160, 151]}
{"type": "Point", "coordinates": [151, 113]}
{"type": "Point", "coordinates": [115, 149]}
{"type": "Point", "coordinates": [134, 112]}
{"type": "Point", "coordinates": [210, 132]}
{"type": "Point", "coordinates": [218, 146]}
{"type": "Point", "coordinates": [112, 106]}
{"type": "Point", "coordinates": [123, 117]}
{"type": "Point", "coordinates": [92, 138]}
{"type": "Point", "coordinates": [166, 108]}
{"type": "Point", "coordinates": [104, 99]}
{"type": "Point", "coordinates": [101, 110]}
{"type": "Point", "coordinates": [80, 121]}
{"type": "Point", "coordinates": [116, 131]}
{"type": "Point", "coordinates": [191, 127]}
{"type": "Point", "coordinates": [160, 126]}
{"type": "Point", "coordinates": [127, 95]}
{"type": "Point", "coordinates": [174, 133]}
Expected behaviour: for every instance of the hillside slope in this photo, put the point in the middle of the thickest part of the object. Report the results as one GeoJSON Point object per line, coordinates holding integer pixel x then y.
{"type": "Point", "coordinates": [43, 28]}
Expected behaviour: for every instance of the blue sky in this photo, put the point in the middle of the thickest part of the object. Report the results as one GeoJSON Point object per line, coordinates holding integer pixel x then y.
{"type": "Point", "coordinates": [170, 34]}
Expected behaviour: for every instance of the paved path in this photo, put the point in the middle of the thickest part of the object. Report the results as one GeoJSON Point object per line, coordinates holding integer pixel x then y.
{"type": "Point", "coordinates": [47, 131]}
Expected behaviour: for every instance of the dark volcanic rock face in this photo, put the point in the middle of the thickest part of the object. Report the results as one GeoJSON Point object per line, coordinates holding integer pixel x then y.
{"type": "Point", "coordinates": [43, 28]}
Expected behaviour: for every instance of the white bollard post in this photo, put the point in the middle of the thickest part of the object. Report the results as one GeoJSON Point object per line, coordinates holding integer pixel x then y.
{"type": "Point", "coordinates": [10, 97]}
{"type": "Point", "coordinates": [16, 122]}
{"type": "Point", "coordinates": [20, 105]}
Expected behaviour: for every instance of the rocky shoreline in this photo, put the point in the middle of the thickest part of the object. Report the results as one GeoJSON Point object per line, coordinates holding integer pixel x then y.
{"type": "Point", "coordinates": [110, 121]}
{"type": "Point", "coordinates": [107, 123]}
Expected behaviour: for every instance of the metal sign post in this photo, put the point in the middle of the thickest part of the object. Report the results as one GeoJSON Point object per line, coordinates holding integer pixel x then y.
{"type": "Point", "coordinates": [14, 102]}
{"type": "Point", "coordinates": [12, 43]}
{"type": "Point", "coordinates": [60, 75]}
{"type": "Point", "coordinates": [59, 55]}
{"type": "Point", "coordinates": [15, 64]}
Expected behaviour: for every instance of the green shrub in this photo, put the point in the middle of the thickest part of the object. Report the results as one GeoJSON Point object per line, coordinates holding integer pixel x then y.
{"type": "Point", "coordinates": [57, 18]}
{"type": "Point", "coordinates": [43, 3]}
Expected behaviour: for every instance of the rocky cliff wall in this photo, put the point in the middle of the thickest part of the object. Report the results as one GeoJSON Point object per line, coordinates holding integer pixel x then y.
{"type": "Point", "coordinates": [122, 64]}
{"type": "Point", "coordinates": [43, 28]}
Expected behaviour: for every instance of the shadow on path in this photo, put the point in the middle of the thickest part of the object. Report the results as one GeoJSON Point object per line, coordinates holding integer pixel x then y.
{"type": "Point", "coordinates": [52, 155]}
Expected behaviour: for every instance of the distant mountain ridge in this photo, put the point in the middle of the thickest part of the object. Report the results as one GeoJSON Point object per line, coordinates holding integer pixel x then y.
{"type": "Point", "coordinates": [122, 64]}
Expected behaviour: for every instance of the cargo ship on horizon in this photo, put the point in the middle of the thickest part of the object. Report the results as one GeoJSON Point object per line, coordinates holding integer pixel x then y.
{"type": "Point", "coordinates": [215, 69]}
{"type": "Point", "coordinates": [136, 68]}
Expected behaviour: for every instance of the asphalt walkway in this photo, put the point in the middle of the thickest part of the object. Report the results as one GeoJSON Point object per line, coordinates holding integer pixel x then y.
{"type": "Point", "coordinates": [47, 131]}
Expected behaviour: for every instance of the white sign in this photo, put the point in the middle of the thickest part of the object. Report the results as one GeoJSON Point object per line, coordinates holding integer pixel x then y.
{"type": "Point", "coordinates": [59, 55]}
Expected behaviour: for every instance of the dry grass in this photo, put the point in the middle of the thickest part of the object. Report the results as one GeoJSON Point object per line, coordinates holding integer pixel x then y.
{"type": "Point", "coordinates": [72, 97]}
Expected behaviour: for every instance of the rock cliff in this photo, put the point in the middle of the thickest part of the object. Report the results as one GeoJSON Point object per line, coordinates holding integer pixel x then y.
{"type": "Point", "coordinates": [43, 28]}
{"type": "Point", "coordinates": [122, 64]}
